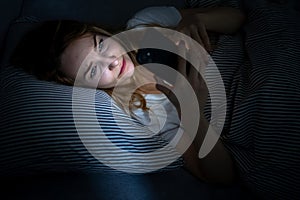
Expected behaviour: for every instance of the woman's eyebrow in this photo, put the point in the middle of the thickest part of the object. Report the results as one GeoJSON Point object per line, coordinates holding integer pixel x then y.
{"type": "Point", "coordinates": [95, 40]}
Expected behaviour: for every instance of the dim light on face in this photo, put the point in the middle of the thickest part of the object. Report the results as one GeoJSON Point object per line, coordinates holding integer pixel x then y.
{"type": "Point", "coordinates": [96, 61]}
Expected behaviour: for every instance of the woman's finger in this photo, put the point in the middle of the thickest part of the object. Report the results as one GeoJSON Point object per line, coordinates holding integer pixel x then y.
{"type": "Point", "coordinates": [195, 35]}
{"type": "Point", "coordinates": [187, 32]}
{"type": "Point", "coordinates": [205, 38]}
{"type": "Point", "coordinates": [192, 72]}
{"type": "Point", "coordinates": [182, 60]}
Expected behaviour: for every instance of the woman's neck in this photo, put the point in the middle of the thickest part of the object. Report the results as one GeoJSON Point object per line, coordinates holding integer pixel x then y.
{"type": "Point", "coordinates": [145, 81]}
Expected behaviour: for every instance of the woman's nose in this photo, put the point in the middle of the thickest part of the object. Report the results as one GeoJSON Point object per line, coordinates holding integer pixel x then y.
{"type": "Point", "coordinates": [114, 64]}
{"type": "Point", "coordinates": [109, 62]}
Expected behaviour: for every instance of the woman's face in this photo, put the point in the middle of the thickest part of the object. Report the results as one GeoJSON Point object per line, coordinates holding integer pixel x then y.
{"type": "Point", "coordinates": [97, 61]}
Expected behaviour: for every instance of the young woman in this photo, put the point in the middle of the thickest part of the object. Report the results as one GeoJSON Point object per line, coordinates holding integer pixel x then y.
{"type": "Point", "coordinates": [66, 51]}
{"type": "Point", "coordinates": [262, 133]}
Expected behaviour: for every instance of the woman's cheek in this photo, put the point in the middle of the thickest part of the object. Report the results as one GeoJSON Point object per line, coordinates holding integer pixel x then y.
{"type": "Point", "coordinates": [106, 81]}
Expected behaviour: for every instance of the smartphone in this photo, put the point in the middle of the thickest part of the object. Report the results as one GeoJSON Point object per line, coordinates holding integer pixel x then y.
{"type": "Point", "coordinates": [155, 55]}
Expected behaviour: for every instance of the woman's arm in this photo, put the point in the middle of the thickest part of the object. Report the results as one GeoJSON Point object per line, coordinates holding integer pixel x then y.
{"type": "Point", "coordinates": [216, 167]}
{"type": "Point", "coordinates": [193, 22]}
{"type": "Point", "coordinates": [220, 19]}
{"type": "Point", "coordinates": [197, 21]}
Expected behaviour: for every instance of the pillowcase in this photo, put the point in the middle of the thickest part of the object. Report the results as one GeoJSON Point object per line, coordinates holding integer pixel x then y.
{"type": "Point", "coordinates": [48, 127]}
{"type": "Point", "coordinates": [39, 131]}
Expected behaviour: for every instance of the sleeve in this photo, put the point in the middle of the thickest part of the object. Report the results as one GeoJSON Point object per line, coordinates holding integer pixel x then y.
{"type": "Point", "coordinates": [163, 16]}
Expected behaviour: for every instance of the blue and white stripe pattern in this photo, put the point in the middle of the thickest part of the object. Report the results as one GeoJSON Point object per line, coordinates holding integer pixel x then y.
{"type": "Point", "coordinates": [260, 69]}
{"type": "Point", "coordinates": [38, 132]}
{"type": "Point", "coordinates": [262, 129]}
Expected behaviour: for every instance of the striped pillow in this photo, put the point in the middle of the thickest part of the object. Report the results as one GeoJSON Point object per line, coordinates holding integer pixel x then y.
{"type": "Point", "coordinates": [47, 127]}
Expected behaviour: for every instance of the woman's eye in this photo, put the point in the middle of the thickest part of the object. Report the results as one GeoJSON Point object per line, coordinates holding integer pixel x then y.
{"type": "Point", "coordinates": [100, 45]}
{"type": "Point", "coordinates": [93, 71]}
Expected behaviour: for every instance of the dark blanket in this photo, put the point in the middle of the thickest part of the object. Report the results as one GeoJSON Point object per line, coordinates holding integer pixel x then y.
{"type": "Point", "coordinates": [260, 70]}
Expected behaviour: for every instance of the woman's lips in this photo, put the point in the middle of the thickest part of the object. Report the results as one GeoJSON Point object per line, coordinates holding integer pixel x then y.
{"type": "Point", "coordinates": [123, 66]}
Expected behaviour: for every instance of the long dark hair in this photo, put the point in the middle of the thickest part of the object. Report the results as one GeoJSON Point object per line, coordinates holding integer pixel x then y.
{"type": "Point", "coordinates": [39, 52]}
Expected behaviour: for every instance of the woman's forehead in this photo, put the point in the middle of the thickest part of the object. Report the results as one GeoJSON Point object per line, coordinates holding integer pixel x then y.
{"type": "Point", "coordinates": [76, 53]}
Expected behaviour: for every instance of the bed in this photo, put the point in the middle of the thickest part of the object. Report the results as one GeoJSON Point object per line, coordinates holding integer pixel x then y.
{"type": "Point", "coordinates": [42, 155]}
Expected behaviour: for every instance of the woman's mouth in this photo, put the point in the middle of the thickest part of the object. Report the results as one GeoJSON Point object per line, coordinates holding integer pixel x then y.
{"type": "Point", "coordinates": [123, 66]}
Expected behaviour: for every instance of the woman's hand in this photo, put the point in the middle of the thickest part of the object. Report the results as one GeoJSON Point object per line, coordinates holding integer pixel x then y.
{"type": "Point", "coordinates": [189, 75]}
{"type": "Point", "coordinates": [196, 22]}
{"type": "Point", "coordinates": [193, 26]}
{"type": "Point", "coordinates": [192, 73]}
{"type": "Point", "coordinates": [217, 166]}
